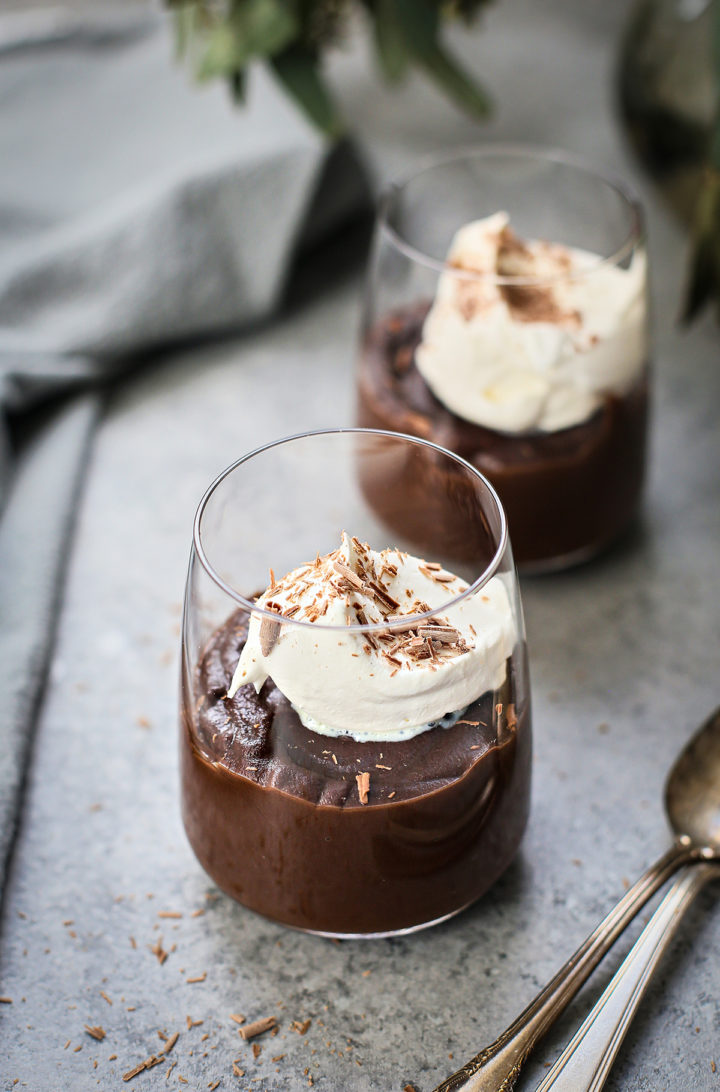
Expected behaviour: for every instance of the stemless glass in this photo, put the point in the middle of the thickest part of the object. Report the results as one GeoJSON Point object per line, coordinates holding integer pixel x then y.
{"type": "Point", "coordinates": [568, 488]}
{"type": "Point", "coordinates": [322, 832]}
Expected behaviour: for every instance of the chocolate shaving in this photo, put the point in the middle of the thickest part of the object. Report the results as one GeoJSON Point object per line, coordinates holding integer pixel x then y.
{"type": "Point", "coordinates": [257, 1027]}
{"type": "Point", "coordinates": [446, 635]}
{"type": "Point", "coordinates": [95, 1031]}
{"type": "Point", "coordinates": [158, 951]}
{"type": "Point", "coordinates": [170, 1043]}
{"type": "Point", "coordinates": [301, 1026]}
{"type": "Point", "coordinates": [404, 626]}
{"type": "Point", "coordinates": [363, 785]}
{"type": "Point", "coordinates": [384, 596]}
{"type": "Point", "coordinates": [153, 1060]}
{"type": "Point", "coordinates": [352, 578]}
{"type": "Point", "coordinates": [269, 633]}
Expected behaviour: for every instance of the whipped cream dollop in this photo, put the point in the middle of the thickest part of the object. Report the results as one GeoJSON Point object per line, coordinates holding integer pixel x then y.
{"type": "Point", "coordinates": [384, 685]}
{"type": "Point", "coordinates": [540, 355]}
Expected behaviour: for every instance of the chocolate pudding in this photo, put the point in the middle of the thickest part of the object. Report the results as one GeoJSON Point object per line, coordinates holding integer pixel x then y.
{"type": "Point", "coordinates": [567, 493]}
{"type": "Point", "coordinates": [336, 836]}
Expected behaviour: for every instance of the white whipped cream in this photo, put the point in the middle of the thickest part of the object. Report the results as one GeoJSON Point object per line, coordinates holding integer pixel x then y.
{"type": "Point", "coordinates": [538, 357]}
{"type": "Point", "coordinates": [377, 686]}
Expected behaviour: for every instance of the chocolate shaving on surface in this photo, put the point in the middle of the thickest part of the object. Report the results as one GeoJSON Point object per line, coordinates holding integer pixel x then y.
{"type": "Point", "coordinates": [347, 573]}
{"type": "Point", "coordinates": [435, 574]}
{"type": "Point", "coordinates": [269, 633]}
{"type": "Point", "coordinates": [447, 635]}
{"type": "Point", "coordinates": [363, 784]}
{"type": "Point", "coordinates": [153, 1060]}
{"type": "Point", "coordinates": [384, 596]}
{"type": "Point", "coordinates": [300, 1026]}
{"type": "Point", "coordinates": [403, 626]}
{"type": "Point", "coordinates": [95, 1031]}
{"type": "Point", "coordinates": [158, 951]}
{"type": "Point", "coordinates": [170, 1043]}
{"type": "Point", "coordinates": [257, 1027]}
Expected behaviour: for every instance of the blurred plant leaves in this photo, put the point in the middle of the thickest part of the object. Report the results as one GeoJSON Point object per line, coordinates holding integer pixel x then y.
{"type": "Point", "coordinates": [392, 52]}
{"type": "Point", "coordinates": [297, 70]}
{"type": "Point", "coordinates": [704, 279]}
{"type": "Point", "coordinates": [419, 22]}
{"type": "Point", "coordinates": [221, 38]}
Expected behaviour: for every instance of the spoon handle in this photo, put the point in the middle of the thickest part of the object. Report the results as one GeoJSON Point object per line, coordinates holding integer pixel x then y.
{"type": "Point", "coordinates": [496, 1068]}
{"type": "Point", "coordinates": [585, 1063]}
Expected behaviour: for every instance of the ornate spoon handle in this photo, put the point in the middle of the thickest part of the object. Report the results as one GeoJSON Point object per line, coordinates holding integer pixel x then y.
{"type": "Point", "coordinates": [496, 1068]}
{"type": "Point", "coordinates": [585, 1063]}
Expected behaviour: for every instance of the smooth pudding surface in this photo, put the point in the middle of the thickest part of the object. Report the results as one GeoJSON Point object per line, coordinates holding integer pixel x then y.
{"type": "Point", "coordinates": [274, 811]}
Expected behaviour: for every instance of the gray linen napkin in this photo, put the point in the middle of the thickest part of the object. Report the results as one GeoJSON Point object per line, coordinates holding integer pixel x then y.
{"type": "Point", "coordinates": [135, 210]}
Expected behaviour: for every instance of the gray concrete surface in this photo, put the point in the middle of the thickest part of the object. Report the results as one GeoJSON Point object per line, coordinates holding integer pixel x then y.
{"type": "Point", "coordinates": [624, 662]}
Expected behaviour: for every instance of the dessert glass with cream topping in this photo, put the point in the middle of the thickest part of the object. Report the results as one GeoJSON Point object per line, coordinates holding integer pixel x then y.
{"type": "Point", "coordinates": [506, 319]}
{"type": "Point", "coordinates": [355, 715]}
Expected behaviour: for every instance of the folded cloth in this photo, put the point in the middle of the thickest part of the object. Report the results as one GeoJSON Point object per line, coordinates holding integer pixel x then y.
{"type": "Point", "coordinates": [135, 210]}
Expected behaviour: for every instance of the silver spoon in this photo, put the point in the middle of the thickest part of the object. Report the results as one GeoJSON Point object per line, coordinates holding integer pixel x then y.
{"type": "Point", "coordinates": [692, 803]}
{"type": "Point", "coordinates": [585, 1063]}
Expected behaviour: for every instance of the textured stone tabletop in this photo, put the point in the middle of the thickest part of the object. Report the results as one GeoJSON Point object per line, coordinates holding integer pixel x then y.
{"type": "Point", "coordinates": [624, 658]}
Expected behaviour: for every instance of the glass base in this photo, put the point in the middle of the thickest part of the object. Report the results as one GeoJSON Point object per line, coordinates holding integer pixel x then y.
{"type": "Point", "coordinates": [377, 936]}
{"type": "Point", "coordinates": [547, 565]}
{"type": "Point", "coordinates": [575, 558]}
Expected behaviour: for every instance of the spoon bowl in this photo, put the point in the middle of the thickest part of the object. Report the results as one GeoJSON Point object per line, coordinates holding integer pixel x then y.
{"type": "Point", "coordinates": [692, 791]}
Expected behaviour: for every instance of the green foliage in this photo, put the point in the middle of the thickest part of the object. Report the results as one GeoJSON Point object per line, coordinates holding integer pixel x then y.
{"type": "Point", "coordinates": [221, 38]}
{"type": "Point", "coordinates": [297, 70]}
{"type": "Point", "coordinates": [704, 280]}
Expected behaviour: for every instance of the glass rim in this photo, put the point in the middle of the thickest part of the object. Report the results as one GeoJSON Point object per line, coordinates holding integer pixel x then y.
{"type": "Point", "coordinates": [493, 150]}
{"type": "Point", "coordinates": [374, 627]}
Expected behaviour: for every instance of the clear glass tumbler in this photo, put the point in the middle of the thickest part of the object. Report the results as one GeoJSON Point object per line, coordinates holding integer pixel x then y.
{"type": "Point", "coordinates": [506, 319]}
{"type": "Point", "coordinates": [389, 787]}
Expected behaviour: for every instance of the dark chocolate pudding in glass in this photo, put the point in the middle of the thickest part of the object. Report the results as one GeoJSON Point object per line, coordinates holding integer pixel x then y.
{"type": "Point", "coordinates": [527, 357]}
{"type": "Point", "coordinates": [355, 741]}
